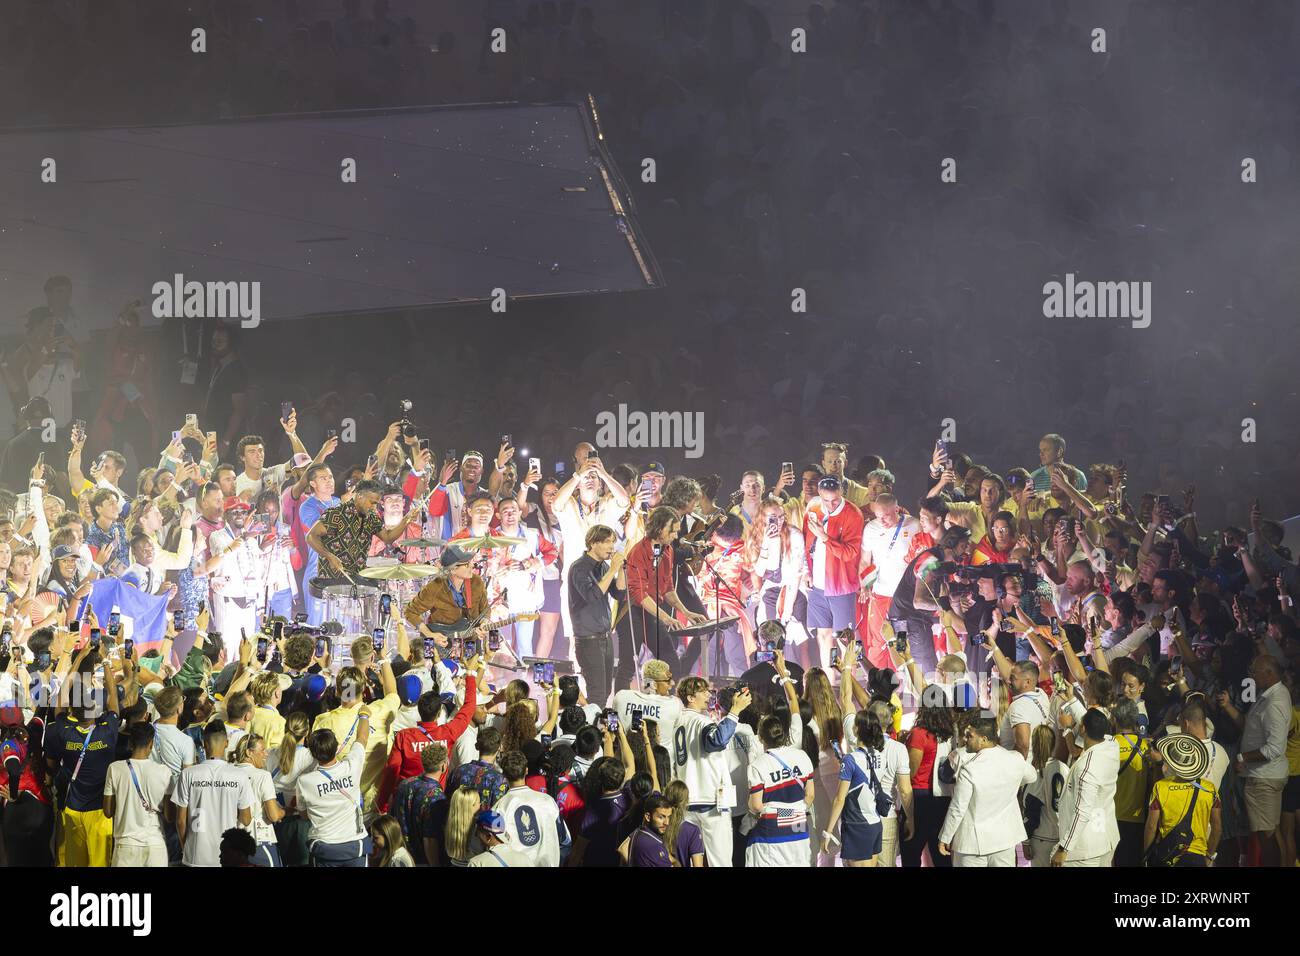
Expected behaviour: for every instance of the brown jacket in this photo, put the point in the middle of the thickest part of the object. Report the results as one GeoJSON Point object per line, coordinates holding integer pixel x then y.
{"type": "Point", "coordinates": [435, 600]}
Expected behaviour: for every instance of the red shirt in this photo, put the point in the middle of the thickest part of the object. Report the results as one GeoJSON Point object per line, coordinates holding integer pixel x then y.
{"type": "Point", "coordinates": [641, 579]}
{"type": "Point", "coordinates": [922, 740]}
{"type": "Point", "coordinates": [404, 758]}
{"type": "Point", "coordinates": [568, 799]}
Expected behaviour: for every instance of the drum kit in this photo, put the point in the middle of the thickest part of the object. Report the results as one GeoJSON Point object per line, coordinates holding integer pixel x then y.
{"type": "Point", "coordinates": [361, 607]}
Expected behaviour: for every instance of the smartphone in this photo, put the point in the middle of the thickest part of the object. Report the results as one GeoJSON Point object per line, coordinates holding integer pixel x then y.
{"type": "Point", "coordinates": [941, 447]}
{"type": "Point", "coordinates": [74, 627]}
{"type": "Point", "coordinates": [386, 605]}
{"type": "Point", "coordinates": [331, 433]}
{"type": "Point", "coordinates": [299, 618]}
{"type": "Point", "coordinates": [561, 467]}
{"type": "Point", "coordinates": [1058, 682]}
{"type": "Point", "coordinates": [430, 648]}
{"type": "Point", "coordinates": [638, 720]}
{"type": "Point", "coordinates": [277, 629]}
{"type": "Point", "coordinates": [835, 746]}
{"type": "Point", "coordinates": [79, 428]}
{"type": "Point", "coordinates": [42, 660]}
{"type": "Point", "coordinates": [451, 454]}
{"type": "Point", "coordinates": [535, 464]}
{"type": "Point", "coordinates": [1176, 666]}
{"type": "Point", "coordinates": [261, 650]}
{"type": "Point", "coordinates": [203, 605]}
{"type": "Point", "coordinates": [713, 700]}
{"type": "Point", "coordinates": [95, 636]}
{"type": "Point", "coordinates": [471, 647]}
{"type": "Point", "coordinates": [539, 674]}
{"type": "Point", "coordinates": [178, 620]}
{"type": "Point", "coordinates": [900, 643]}
{"type": "Point", "coordinates": [548, 673]}
{"type": "Point", "coordinates": [321, 646]}
{"type": "Point", "coordinates": [286, 409]}
{"type": "Point", "coordinates": [176, 437]}
{"type": "Point", "coordinates": [505, 439]}
{"type": "Point", "coordinates": [192, 421]}
{"type": "Point", "coordinates": [424, 444]}
{"type": "Point", "coordinates": [767, 653]}
{"type": "Point", "coordinates": [114, 620]}
{"type": "Point", "coordinates": [379, 638]}
{"type": "Point", "coordinates": [372, 463]}
{"type": "Point", "coordinates": [611, 721]}
{"type": "Point", "coordinates": [455, 648]}
{"type": "Point", "coordinates": [835, 657]}
{"type": "Point", "coordinates": [787, 468]}
{"type": "Point", "coordinates": [494, 640]}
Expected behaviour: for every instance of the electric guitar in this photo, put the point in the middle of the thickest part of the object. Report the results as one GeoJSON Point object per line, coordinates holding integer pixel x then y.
{"type": "Point", "coordinates": [465, 624]}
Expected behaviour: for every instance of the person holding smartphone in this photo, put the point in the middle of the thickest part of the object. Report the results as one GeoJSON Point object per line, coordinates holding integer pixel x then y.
{"type": "Point", "coordinates": [594, 578]}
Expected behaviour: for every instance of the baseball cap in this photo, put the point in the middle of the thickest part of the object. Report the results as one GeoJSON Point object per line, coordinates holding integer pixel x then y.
{"type": "Point", "coordinates": [452, 555]}
{"type": "Point", "coordinates": [492, 822]}
{"type": "Point", "coordinates": [654, 468]}
{"type": "Point", "coordinates": [409, 688]}
{"type": "Point", "coordinates": [64, 551]}
{"type": "Point", "coordinates": [314, 686]}
{"type": "Point", "coordinates": [657, 670]}
{"type": "Point", "coordinates": [235, 503]}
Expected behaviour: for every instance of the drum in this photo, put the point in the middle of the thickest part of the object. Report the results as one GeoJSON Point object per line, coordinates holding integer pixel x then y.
{"type": "Point", "coordinates": [355, 606]}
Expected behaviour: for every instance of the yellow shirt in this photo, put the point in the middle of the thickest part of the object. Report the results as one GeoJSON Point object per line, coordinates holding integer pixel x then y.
{"type": "Point", "coordinates": [1171, 797]}
{"type": "Point", "coordinates": [343, 721]}
{"type": "Point", "coordinates": [855, 492]}
{"type": "Point", "coordinates": [1293, 744]}
{"type": "Point", "coordinates": [268, 724]}
{"type": "Point", "coordinates": [1131, 786]}
{"type": "Point", "coordinates": [972, 519]}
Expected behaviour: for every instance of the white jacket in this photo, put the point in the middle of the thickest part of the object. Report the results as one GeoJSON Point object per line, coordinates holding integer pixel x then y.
{"type": "Point", "coordinates": [1086, 815]}
{"type": "Point", "coordinates": [984, 816]}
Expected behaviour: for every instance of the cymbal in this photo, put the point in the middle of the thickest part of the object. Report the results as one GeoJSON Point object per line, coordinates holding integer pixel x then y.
{"type": "Point", "coordinates": [421, 543]}
{"type": "Point", "coordinates": [486, 541]}
{"type": "Point", "coordinates": [400, 572]}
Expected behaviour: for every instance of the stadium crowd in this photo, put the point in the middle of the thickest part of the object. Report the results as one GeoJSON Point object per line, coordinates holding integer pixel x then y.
{"type": "Point", "coordinates": [426, 659]}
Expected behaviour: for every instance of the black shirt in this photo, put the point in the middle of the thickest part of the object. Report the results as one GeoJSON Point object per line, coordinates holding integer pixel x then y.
{"type": "Point", "coordinates": [588, 604]}
{"type": "Point", "coordinates": [902, 606]}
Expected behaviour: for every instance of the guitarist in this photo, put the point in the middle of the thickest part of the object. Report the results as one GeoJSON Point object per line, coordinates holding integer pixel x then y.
{"type": "Point", "coordinates": [455, 597]}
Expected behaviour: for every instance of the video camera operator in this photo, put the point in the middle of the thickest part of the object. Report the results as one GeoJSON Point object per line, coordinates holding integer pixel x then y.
{"type": "Point", "coordinates": [915, 607]}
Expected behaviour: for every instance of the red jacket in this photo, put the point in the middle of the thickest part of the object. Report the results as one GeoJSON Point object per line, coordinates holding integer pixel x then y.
{"type": "Point", "coordinates": [843, 545]}
{"type": "Point", "coordinates": [404, 758]}
{"type": "Point", "coordinates": [641, 573]}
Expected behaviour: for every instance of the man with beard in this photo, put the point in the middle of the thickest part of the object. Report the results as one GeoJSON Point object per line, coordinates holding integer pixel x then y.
{"type": "Point", "coordinates": [916, 599]}
{"type": "Point", "coordinates": [832, 534]}
{"type": "Point", "coordinates": [342, 535]}
{"type": "Point", "coordinates": [835, 456]}
{"type": "Point", "coordinates": [236, 579]}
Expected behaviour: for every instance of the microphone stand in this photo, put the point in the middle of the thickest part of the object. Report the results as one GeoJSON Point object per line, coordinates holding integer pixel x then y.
{"type": "Point", "coordinates": [656, 550]}
{"type": "Point", "coordinates": [717, 600]}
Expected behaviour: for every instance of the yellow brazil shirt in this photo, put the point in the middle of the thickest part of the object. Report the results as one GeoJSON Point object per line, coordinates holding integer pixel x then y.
{"type": "Point", "coordinates": [346, 725]}
{"type": "Point", "coordinates": [1131, 785]}
{"type": "Point", "coordinates": [1171, 797]}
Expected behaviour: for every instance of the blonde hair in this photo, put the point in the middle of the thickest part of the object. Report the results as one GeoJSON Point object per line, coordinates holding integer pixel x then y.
{"type": "Point", "coordinates": [245, 745]}
{"type": "Point", "coordinates": [1002, 696]}
{"type": "Point", "coordinates": [460, 822]}
{"type": "Point", "coordinates": [362, 649]}
{"type": "Point", "coordinates": [678, 796]}
{"type": "Point", "coordinates": [264, 687]}
{"type": "Point", "coordinates": [757, 532]}
{"type": "Point", "coordinates": [1042, 744]}
{"type": "Point", "coordinates": [826, 709]}
{"type": "Point", "coordinates": [296, 728]}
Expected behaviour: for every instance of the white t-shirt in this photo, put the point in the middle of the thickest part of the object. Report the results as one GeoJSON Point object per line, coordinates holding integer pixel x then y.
{"type": "Point", "coordinates": [263, 790]}
{"type": "Point", "coordinates": [502, 855]}
{"type": "Point", "coordinates": [465, 750]}
{"type": "Point", "coordinates": [331, 798]}
{"type": "Point", "coordinates": [743, 749]}
{"type": "Point", "coordinates": [1047, 789]}
{"type": "Point", "coordinates": [665, 711]}
{"type": "Point", "coordinates": [173, 748]}
{"type": "Point", "coordinates": [886, 548]}
{"type": "Point", "coordinates": [894, 763]}
{"type": "Point", "coordinates": [1028, 708]}
{"type": "Point", "coordinates": [133, 823]}
{"type": "Point", "coordinates": [271, 478]}
{"type": "Point", "coordinates": [706, 773]}
{"type": "Point", "coordinates": [287, 783]}
{"type": "Point", "coordinates": [215, 792]}
{"type": "Point", "coordinates": [533, 822]}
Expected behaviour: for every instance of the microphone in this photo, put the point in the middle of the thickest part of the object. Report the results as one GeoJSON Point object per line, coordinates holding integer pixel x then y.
{"type": "Point", "coordinates": [327, 629]}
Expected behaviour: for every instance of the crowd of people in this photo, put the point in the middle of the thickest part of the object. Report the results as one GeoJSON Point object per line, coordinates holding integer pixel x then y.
{"type": "Point", "coordinates": [615, 668]}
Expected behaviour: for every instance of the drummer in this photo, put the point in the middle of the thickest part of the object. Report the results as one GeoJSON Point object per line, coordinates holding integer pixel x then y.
{"type": "Point", "coordinates": [456, 595]}
{"type": "Point", "coordinates": [342, 535]}
{"type": "Point", "coordinates": [393, 505]}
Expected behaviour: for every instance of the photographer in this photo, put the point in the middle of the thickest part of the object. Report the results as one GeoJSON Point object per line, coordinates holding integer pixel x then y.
{"type": "Point", "coordinates": [916, 604]}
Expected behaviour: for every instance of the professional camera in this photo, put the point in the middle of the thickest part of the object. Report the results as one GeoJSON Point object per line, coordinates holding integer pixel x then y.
{"type": "Point", "coordinates": [962, 578]}
{"type": "Point", "coordinates": [408, 430]}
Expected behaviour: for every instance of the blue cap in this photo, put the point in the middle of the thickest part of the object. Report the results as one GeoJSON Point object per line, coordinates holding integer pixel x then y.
{"type": "Point", "coordinates": [409, 688]}
{"type": "Point", "coordinates": [454, 555]}
{"type": "Point", "coordinates": [492, 822]}
{"type": "Point", "coordinates": [314, 686]}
